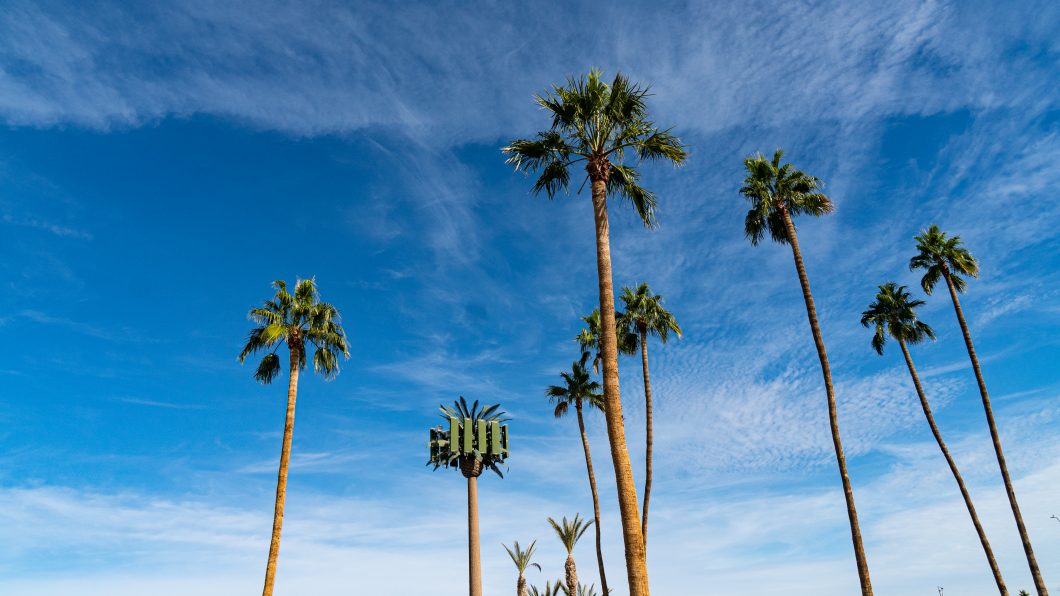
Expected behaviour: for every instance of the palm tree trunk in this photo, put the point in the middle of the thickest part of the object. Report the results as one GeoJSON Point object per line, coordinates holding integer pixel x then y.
{"type": "Point", "coordinates": [636, 564]}
{"type": "Point", "coordinates": [520, 586]}
{"type": "Point", "coordinates": [648, 436]}
{"type": "Point", "coordinates": [596, 496]}
{"type": "Point", "coordinates": [281, 480]}
{"type": "Point", "coordinates": [1032, 562]}
{"type": "Point", "coordinates": [474, 559]}
{"type": "Point", "coordinates": [826, 372]}
{"type": "Point", "coordinates": [571, 573]}
{"type": "Point", "coordinates": [956, 473]}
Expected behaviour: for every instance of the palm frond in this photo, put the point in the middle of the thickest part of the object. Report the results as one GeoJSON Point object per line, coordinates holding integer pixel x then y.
{"type": "Point", "coordinates": [268, 368]}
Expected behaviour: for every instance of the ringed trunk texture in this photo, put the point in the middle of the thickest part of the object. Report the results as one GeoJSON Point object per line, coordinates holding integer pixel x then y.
{"type": "Point", "coordinates": [1032, 562]}
{"type": "Point", "coordinates": [648, 435]}
{"type": "Point", "coordinates": [956, 473]}
{"type": "Point", "coordinates": [520, 586]}
{"type": "Point", "coordinates": [571, 573]}
{"type": "Point", "coordinates": [596, 496]}
{"type": "Point", "coordinates": [474, 560]}
{"type": "Point", "coordinates": [833, 421]}
{"type": "Point", "coordinates": [281, 480]}
{"type": "Point", "coordinates": [636, 565]}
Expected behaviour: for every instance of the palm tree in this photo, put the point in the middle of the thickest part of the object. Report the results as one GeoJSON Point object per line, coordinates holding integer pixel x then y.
{"type": "Point", "coordinates": [583, 590]}
{"type": "Point", "coordinates": [476, 440]}
{"type": "Point", "coordinates": [777, 193]}
{"type": "Point", "coordinates": [589, 338]}
{"type": "Point", "coordinates": [550, 589]}
{"type": "Point", "coordinates": [295, 320]}
{"type": "Point", "coordinates": [521, 558]}
{"type": "Point", "coordinates": [569, 532]}
{"type": "Point", "coordinates": [578, 390]}
{"type": "Point", "coordinates": [645, 314]}
{"type": "Point", "coordinates": [596, 124]}
{"type": "Point", "coordinates": [944, 257]}
{"type": "Point", "coordinates": [894, 314]}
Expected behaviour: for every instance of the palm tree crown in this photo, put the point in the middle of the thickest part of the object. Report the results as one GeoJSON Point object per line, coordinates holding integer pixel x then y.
{"type": "Point", "coordinates": [772, 188]}
{"type": "Point", "coordinates": [522, 558]}
{"type": "Point", "coordinates": [596, 123]}
{"type": "Point", "coordinates": [939, 254]}
{"type": "Point", "coordinates": [550, 589]}
{"type": "Point", "coordinates": [894, 314]}
{"type": "Point", "coordinates": [646, 314]}
{"type": "Point", "coordinates": [570, 532]}
{"type": "Point", "coordinates": [578, 388]}
{"type": "Point", "coordinates": [589, 337]}
{"type": "Point", "coordinates": [296, 319]}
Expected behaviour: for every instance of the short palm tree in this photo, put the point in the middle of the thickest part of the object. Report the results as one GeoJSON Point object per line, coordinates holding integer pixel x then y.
{"type": "Point", "coordinates": [550, 589]}
{"type": "Point", "coordinates": [579, 390]}
{"type": "Point", "coordinates": [645, 315]}
{"type": "Point", "coordinates": [777, 193]}
{"type": "Point", "coordinates": [569, 532]}
{"type": "Point", "coordinates": [297, 320]}
{"type": "Point", "coordinates": [583, 590]}
{"type": "Point", "coordinates": [893, 314]}
{"type": "Point", "coordinates": [522, 560]}
{"type": "Point", "coordinates": [944, 257]}
{"type": "Point", "coordinates": [475, 441]}
{"type": "Point", "coordinates": [589, 337]}
{"type": "Point", "coordinates": [596, 125]}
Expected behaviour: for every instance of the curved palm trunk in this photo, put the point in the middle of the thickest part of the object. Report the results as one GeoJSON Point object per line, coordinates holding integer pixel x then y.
{"type": "Point", "coordinates": [474, 560]}
{"type": "Point", "coordinates": [1032, 562]}
{"type": "Point", "coordinates": [281, 480]}
{"type": "Point", "coordinates": [596, 496]}
{"type": "Point", "coordinates": [648, 435]}
{"type": "Point", "coordinates": [826, 372]}
{"type": "Point", "coordinates": [571, 573]}
{"type": "Point", "coordinates": [956, 473]}
{"type": "Point", "coordinates": [636, 565]}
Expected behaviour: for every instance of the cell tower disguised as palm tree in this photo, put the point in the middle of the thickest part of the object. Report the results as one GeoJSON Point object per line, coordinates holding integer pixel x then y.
{"type": "Point", "coordinates": [471, 440]}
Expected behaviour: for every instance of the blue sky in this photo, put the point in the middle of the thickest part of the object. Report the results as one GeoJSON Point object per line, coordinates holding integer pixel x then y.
{"type": "Point", "coordinates": [159, 166]}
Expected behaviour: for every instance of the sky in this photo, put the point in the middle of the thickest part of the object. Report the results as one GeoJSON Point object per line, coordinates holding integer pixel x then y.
{"type": "Point", "coordinates": [161, 164]}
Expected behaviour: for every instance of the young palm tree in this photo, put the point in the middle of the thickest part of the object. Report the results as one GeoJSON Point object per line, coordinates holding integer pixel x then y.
{"type": "Point", "coordinates": [521, 558]}
{"type": "Point", "coordinates": [580, 391]}
{"type": "Point", "coordinates": [894, 314]}
{"type": "Point", "coordinates": [569, 532]}
{"type": "Point", "coordinates": [589, 338]}
{"type": "Point", "coordinates": [475, 442]}
{"type": "Point", "coordinates": [944, 257]}
{"type": "Point", "coordinates": [583, 590]}
{"type": "Point", "coordinates": [550, 589]}
{"type": "Point", "coordinates": [596, 125]}
{"type": "Point", "coordinates": [294, 320]}
{"type": "Point", "coordinates": [777, 193]}
{"type": "Point", "coordinates": [645, 314]}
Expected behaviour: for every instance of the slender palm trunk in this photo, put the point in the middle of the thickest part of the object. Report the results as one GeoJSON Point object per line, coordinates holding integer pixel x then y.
{"type": "Point", "coordinates": [474, 560]}
{"type": "Point", "coordinates": [281, 480]}
{"type": "Point", "coordinates": [648, 435]}
{"type": "Point", "coordinates": [1032, 562]}
{"type": "Point", "coordinates": [571, 573]}
{"type": "Point", "coordinates": [833, 421]}
{"type": "Point", "coordinates": [596, 496]}
{"type": "Point", "coordinates": [636, 565]}
{"type": "Point", "coordinates": [956, 473]}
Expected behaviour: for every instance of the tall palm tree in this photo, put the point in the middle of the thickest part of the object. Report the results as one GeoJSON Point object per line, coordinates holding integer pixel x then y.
{"type": "Point", "coordinates": [646, 315]}
{"type": "Point", "coordinates": [474, 442]}
{"type": "Point", "coordinates": [580, 391]}
{"type": "Point", "coordinates": [295, 320]}
{"type": "Point", "coordinates": [589, 338]}
{"type": "Point", "coordinates": [777, 193]}
{"type": "Point", "coordinates": [893, 314]}
{"type": "Point", "coordinates": [945, 257]}
{"type": "Point", "coordinates": [595, 125]}
{"type": "Point", "coordinates": [569, 532]}
{"type": "Point", "coordinates": [522, 560]}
